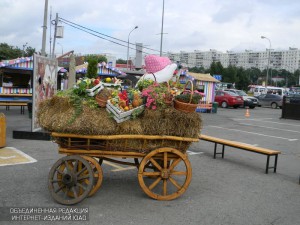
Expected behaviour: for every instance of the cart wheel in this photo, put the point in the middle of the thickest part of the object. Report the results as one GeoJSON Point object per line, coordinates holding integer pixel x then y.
{"type": "Point", "coordinates": [172, 178]}
{"type": "Point", "coordinates": [70, 174]}
{"type": "Point", "coordinates": [98, 174]}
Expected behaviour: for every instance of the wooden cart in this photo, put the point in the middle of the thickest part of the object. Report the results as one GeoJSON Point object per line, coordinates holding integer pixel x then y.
{"type": "Point", "coordinates": [164, 170]}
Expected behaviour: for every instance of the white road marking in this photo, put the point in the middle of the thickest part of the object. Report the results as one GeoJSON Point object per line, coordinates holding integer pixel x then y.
{"type": "Point", "coordinates": [9, 157]}
{"type": "Point", "coordinates": [194, 153]}
{"type": "Point", "coordinates": [256, 133]}
{"type": "Point", "coordinates": [260, 120]}
{"type": "Point", "coordinates": [274, 128]}
{"type": "Point", "coordinates": [113, 165]}
{"type": "Point", "coordinates": [16, 153]}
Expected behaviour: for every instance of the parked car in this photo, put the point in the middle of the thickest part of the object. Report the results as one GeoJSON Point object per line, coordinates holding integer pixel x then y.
{"type": "Point", "coordinates": [249, 101]}
{"type": "Point", "coordinates": [293, 98]}
{"type": "Point", "coordinates": [228, 99]}
{"type": "Point", "coordinates": [270, 100]}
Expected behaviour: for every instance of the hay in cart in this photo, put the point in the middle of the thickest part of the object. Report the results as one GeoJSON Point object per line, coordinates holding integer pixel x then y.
{"type": "Point", "coordinates": [55, 115]}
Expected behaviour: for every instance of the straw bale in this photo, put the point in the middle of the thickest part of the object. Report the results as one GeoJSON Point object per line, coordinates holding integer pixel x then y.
{"type": "Point", "coordinates": [55, 115]}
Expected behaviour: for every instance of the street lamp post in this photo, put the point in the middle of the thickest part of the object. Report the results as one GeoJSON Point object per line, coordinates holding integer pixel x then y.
{"type": "Point", "coordinates": [62, 49]}
{"type": "Point", "coordinates": [128, 45]}
{"type": "Point", "coordinates": [263, 37]}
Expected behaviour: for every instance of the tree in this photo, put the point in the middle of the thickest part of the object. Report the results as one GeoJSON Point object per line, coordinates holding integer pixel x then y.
{"type": "Point", "coordinates": [242, 81]}
{"type": "Point", "coordinates": [92, 68]}
{"type": "Point", "coordinates": [9, 52]}
{"type": "Point", "coordinates": [229, 74]}
{"type": "Point", "coordinates": [197, 69]}
{"type": "Point", "coordinates": [121, 61]}
{"type": "Point", "coordinates": [98, 58]}
{"type": "Point", "coordinates": [216, 68]}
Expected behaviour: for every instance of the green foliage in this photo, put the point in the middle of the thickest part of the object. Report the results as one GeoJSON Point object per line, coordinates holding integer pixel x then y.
{"type": "Point", "coordinates": [78, 97]}
{"type": "Point", "coordinates": [121, 61]}
{"type": "Point", "coordinates": [92, 68]}
{"type": "Point", "coordinates": [10, 52]}
{"type": "Point", "coordinates": [98, 58]}
{"type": "Point", "coordinates": [200, 69]}
{"type": "Point", "coordinates": [186, 97]}
{"type": "Point", "coordinates": [216, 68]}
{"type": "Point", "coordinates": [144, 83]}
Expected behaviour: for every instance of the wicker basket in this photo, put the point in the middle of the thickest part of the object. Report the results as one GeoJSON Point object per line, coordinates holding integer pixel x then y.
{"type": "Point", "coordinates": [101, 101]}
{"type": "Point", "coordinates": [184, 106]}
{"type": "Point", "coordinates": [169, 100]}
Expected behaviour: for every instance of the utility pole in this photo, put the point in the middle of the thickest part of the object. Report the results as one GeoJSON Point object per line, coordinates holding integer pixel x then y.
{"type": "Point", "coordinates": [54, 40]}
{"type": "Point", "coordinates": [162, 28]}
{"type": "Point", "coordinates": [43, 51]}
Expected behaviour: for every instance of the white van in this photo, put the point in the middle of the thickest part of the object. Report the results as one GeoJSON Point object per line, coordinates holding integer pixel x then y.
{"type": "Point", "coordinates": [258, 90]}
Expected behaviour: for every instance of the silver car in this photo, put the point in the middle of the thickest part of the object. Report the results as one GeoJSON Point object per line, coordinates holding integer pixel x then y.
{"type": "Point", "coordinates": [249, 101]}
{"type": "Point", "coordinates": [270, 100]}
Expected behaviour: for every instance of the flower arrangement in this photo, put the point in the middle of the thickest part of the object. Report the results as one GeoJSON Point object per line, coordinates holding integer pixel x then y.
{"type": "Point", "coordinates": [157, 95]}
{"type": "Point", "coordinates": [144, 83]}
{"type": "Point", "coordinates": [188, 100]}
{"type": "Point", "coordinates": [188, 97]}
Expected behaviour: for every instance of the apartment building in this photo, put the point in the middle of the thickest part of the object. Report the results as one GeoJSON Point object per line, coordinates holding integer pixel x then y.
{"type": "Point", "coordinates": [278, 59]}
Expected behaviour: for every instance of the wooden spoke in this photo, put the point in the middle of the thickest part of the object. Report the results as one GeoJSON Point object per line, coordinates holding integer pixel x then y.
{"type": "Point", "coordinates": [155, 183]}
{"type": "Point", "coordinates": [83, 177]}
{"type": "Point", "coordinates": [151, 174]}
{"type": "Point", "coordinates": [67, 166]}
{"type": "Point", "coordinates": [60, 188]}
{"type": "Point", "coordinates": [75, 166]}
{"type": "Point", "coordinates": [81, 171]}
{"type": "Point", "coordinates": [64, 182]}
{"type": "Point", "coordinates": [179, 173]}
{"type": "Point", "coordinates": [74, 192]}
{"type": "Point", "coordinates": [97, 174]}
{"type": "Point", "coordinates": [56, 181]}
{"type": "Point", "coordinates": [164, 161]}
{"type": "Point", "coordinates": [175, 183]}
{"type": "Point", "coordinates": [58, 171]}
{"type": "Point", "coordinates": [164, 187]}
{"type": "Point", "coordinates": [175, 163]}
{"type": "Point", "coordinates": [154, 163]}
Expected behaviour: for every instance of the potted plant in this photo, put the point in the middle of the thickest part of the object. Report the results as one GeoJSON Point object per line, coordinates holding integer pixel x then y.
{"type": "Point", "coordinates": [188, 100]}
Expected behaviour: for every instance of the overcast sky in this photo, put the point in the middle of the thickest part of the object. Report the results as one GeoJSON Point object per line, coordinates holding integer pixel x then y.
{"type": "Point", "coordinates": [188, 25]}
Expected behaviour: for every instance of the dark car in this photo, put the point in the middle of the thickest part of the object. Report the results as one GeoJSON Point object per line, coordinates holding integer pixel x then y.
{"type": "Point", "coordinates": [270, 100]}
{"type": "Point", "coordinates": [228, 99]}
{"type": "Point", "coordinates": [249, 101]}
{"type": "Point", "coordinates": [293, 98]}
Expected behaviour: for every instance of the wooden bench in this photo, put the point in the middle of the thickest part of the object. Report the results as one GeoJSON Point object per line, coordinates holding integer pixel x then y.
{"type": "Point", "coordinates": [205, 105]}
{"type": "Point", "coordinates": [263, 151]}
{"type": "Point", "coordinates": [14, 103]}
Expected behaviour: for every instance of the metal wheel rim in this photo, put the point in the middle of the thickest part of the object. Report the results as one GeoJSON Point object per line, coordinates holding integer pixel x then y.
{"type": "Point", "coordinates": [71, 180]}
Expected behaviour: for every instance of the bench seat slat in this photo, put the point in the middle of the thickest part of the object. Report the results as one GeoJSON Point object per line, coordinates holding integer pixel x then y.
{"type": "Point", "coordinates": [239, 145]}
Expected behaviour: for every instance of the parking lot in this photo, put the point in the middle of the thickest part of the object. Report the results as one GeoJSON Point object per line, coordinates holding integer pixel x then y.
{"type": "Point", "coordinates": [233, 190]}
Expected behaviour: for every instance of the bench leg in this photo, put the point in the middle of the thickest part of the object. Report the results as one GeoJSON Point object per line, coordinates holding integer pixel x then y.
{"type": "Point", "coordinates": [275, 163]}
{"type": "Point", "coordinates": [223, 148]}
{"type": "Point", "coordinates": [219, 153]}
{"type": "Point", "coordinates": [215, 151]}
{"type": "Point", "coordinates": [267, 166]}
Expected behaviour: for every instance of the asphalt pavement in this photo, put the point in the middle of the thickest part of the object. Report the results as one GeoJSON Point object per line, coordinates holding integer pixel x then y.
{"type": "Point", "coordinates": [233, 190]}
